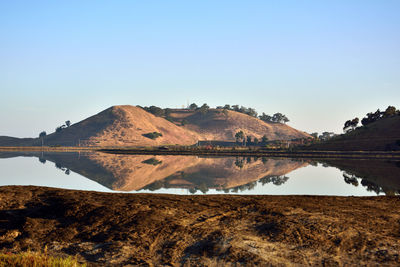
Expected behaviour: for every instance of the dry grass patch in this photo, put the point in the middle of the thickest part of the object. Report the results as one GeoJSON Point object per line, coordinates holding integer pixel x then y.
{"type": "Point", "coordinates": [33, 259]}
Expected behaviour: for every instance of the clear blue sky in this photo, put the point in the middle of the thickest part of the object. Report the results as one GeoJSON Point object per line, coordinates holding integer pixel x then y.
{"type": "Point", "coordinates": [318, 62]}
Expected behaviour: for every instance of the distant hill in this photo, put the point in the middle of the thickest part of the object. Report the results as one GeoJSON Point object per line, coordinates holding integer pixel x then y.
{"type": "Point", "coordinates": [115, 126]}
{"type": "Point", "coordinates": [134, 126]}
{"type": "Point", "coordinates": [219, 124]}
{"type": "Point", "coordinates": [123, 126]}
{"type": "Point", "coordinates": [381, 135]}
{"type": "Point", "coordinates": [14, 141]}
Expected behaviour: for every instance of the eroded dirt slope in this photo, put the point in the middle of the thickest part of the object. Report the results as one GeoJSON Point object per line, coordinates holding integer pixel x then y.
{"type": "Point", "coordinates": [149, 229]}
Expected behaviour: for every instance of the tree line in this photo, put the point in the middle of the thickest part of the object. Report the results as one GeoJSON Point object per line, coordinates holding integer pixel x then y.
{"type": "Point", "coordinates": [43, 134]}
{"type": "Point", "coordinates": [203, 109]}
{"type": "Point", "coordinates": [370, 117]}
{"type": "Point", "coordinates": [249, 140]}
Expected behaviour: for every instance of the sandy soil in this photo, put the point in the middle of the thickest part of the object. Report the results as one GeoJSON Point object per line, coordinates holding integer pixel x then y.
{"type": "Point", "coordinates": [149, 229]}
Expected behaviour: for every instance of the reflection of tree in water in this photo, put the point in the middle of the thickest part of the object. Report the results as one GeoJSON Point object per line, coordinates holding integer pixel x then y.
{"type": "Point", "coordinates": [239, 163]}
{"type": "Point", "coordinates": [197, 180]}
{"type": "Point", "coordinates": [165, 183]}
{"type": "Point", "coordinates": [241, 188]}
{"type": "Point", "coordinates": [152, 161]}
{"type": "Point", "coordinates": [65, 170]}
{"type": "Point", "coordinates": [247, 160]}
{"type": "Point", "coordinates": [276, 180]}
{"type": "Point", "coordinates": [352, 179]}
{"type": "Point", "coordinates": [372, 187]}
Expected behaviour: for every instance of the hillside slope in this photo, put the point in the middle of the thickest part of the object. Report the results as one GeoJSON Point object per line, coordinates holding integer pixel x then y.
{"type": "Point", "coordinates": [219, 124]}
{"type": "Point", "coordinates": [382, 135]}
{"type": "Point", "coordinates": [127, 125]}
{"type": "Point", "coordinates": [122, 126]}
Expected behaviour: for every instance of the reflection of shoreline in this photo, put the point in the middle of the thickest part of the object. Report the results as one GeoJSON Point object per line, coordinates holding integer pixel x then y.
{"type": "Point", "coordinates": [226, 152]}
{"type": "Point", "coordinates": [223, 174]}
{"type": "Point", "coordinates": [379, 176]}
{"type": "Point", "coordinates": [226, 174]}
{"type": "Point", "coordinates": [135, 172]}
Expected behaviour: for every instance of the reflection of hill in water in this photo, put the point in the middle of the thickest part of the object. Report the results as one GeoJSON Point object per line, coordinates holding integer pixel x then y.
{"type": "Point", "coordinates": [226, 173]}
{"type": "Point", "coordinates": [135, 172]}
{"type": "Point", "coordinates": [380, 176]}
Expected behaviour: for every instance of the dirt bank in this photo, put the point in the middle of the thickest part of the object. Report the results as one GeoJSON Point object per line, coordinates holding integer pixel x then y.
{"type": "Point", "coordinates": [149, 229]}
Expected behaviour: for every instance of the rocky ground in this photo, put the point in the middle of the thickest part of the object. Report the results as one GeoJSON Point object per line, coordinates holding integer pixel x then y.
{"type": "Point", "coordinates": [151, 229]}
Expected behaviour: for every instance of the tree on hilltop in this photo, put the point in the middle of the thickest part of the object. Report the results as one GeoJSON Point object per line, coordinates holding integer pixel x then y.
{"type": "Point", "coordinates": [350, 125]}
{"type": "Point", "coordinates": [390, 111]}
{"type": "Point", "coordinates": [193, 106]}
{"type": "Point", "coordinates": [204, 109]}
{"type": "Point", "coordinates": [371, 117]}
{"type": "Point", "coordinates": [265, 117]}
{"type": "Point", "coordinates": [42, 135]}
{"type": "Point", "coordinates": [280, 118]}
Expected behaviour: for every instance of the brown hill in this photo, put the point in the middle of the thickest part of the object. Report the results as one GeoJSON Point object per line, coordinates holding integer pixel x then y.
{"type": "Point", "coordinates": [382, 135]}
{"type": "Point", "coordinates": [129, 125]}
{"type": "Point", "coordinates": [218, 124]}
{"type": "Point", "coordinates": [14, 141]}
{"type": "Point", "coordinates": [122, 126]}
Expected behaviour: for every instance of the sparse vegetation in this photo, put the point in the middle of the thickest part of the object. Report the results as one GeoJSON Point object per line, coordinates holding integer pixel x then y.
{"type": "Point", "coordinates": [153, 135]}
{"type": "Point", "coordinates": [33, 259]}
{"type": "Point", "coordinates": [377, 115]}
{"type": "Point", "coordinates": [156, 111]}
{"type": "Point", "coordinates": [42, 134]}
{"type": "Point", "coordinates": [204, 109]}
{"type": "Point", "coordinates": [350, 125]}
{"type": "Point", "coordinates": [152, 161]}
{"type": "Point", "coordinates": [239, 136]}
{"type": "Point", "coordinates": [193, 106]}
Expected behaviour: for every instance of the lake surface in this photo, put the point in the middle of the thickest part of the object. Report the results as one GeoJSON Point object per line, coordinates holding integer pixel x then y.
{"type": "Point", "coordinates": [200, 175]}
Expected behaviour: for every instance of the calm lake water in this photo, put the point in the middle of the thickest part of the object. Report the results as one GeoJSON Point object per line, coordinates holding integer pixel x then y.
{"type": "Point", "coordinates": [200, 175]}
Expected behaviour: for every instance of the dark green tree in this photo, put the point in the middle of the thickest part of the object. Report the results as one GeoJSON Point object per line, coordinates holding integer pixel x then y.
{"type": "Point", "coordinates": [193, 106]}
{"type": "Point", "coordinates": [265, 117]}
{"type": "Point", "coordinates": [350, 125]}
{"type": "Point", "coordinates": [264, 139]}
{"type": "Point", "coordinates": [42, 135]}
{"type": "Point", "coordinates": [248, 140]}
{"type": "Point", "coordinates": [204, 109]}
{"type": "Point", "coordinates": [239, 136]}
{"type": "Point", "coordinates": [280, 118]}
{"type": "Point", "coordinates": [371, 117]}
{"type": "Point", "coordinates": [390, 111]}
{"type": "Point", "coordinates": [236, 108]}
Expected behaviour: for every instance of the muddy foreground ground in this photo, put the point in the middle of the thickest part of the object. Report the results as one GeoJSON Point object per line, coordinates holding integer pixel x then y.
{"type": "Point", "coordinates": [152, 229]}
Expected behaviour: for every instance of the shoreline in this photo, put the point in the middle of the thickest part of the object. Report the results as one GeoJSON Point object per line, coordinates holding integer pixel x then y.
{"type": "Point", "coordinates": [235, 152]}
{"type": "Point", "coordinates": [162, 229]}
